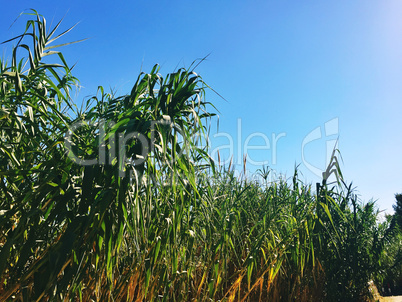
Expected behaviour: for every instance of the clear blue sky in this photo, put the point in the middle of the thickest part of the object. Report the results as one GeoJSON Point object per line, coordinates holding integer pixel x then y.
{"type": "Point", "coordinates": [284, 67]}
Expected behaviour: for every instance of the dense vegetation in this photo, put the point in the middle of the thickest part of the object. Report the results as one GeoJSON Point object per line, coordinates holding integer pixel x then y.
{"type": "Point", "coordinates": [117, 201]}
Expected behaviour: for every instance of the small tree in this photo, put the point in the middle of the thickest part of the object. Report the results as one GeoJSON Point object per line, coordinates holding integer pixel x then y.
{"type": "Point", "coordinates": [398, 210]}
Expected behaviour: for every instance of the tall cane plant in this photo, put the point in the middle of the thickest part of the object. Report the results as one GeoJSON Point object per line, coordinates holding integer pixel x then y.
{"type": "Point", "coordinates": [65, 213]}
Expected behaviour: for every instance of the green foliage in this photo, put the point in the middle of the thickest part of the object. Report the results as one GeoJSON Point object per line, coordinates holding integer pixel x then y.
{"type": "Point", "coordinates": [62, 221]}
{"type": "Point", "coordinates": [398, 210]}
{"type": "Point", "coordinates": [117, 201]}
{"type": "Point", "coordinates": [390, 266]}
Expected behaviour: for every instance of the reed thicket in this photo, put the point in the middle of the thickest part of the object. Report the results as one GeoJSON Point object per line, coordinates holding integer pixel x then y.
{"type": "Point", "coordinates": [154, 218]}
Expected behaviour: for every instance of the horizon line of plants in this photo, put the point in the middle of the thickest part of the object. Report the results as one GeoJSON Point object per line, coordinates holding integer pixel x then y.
{"type": "Point", "coordinates": [192, 232]}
